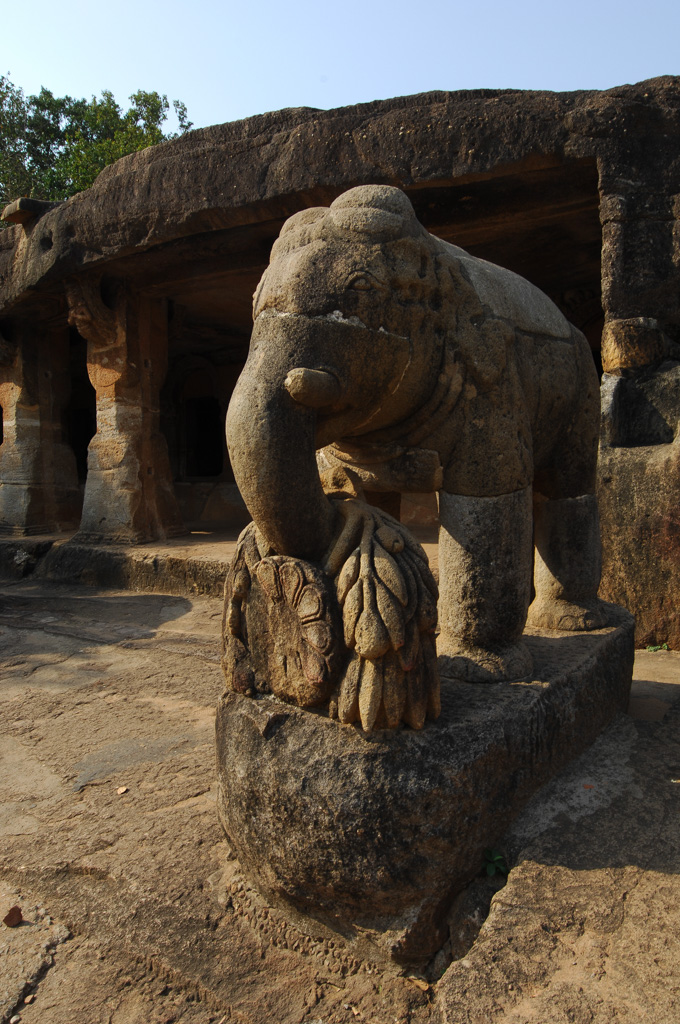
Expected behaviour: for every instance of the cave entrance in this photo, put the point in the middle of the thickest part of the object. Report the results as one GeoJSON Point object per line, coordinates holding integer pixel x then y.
{"type": "Point", "coordinates": [193, 411]}
{"type": "Point", "coordinates": [80, 413]}
{"type": "Point", "coordinates": [203, 437]}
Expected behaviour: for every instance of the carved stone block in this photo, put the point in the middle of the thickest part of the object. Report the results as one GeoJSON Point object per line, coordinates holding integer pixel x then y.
{"type": "Point", "coordinates": [374, 835]}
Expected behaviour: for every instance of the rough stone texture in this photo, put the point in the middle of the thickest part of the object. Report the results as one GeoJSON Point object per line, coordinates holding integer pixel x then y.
{"type": "Point", "coordinates": [104, 690]}
{"type": "Point", "coordinates": [277, 158]}
{"type": "Point", "coordinates": [19, 558]}
{"type": "Point", "coordinates": [27, 955]}
{"type": "Point", "coordinates": [179, 566]}
{"type": "Point", "coordinates": [585, 930]}
{"type": "Point", "coordinates": [633, 344]}
{"type": "Point", "coordinates": [374, 836]}
{"type": "Point", "coordinates": [496, 535]}
{"type": "Point", "coordinates": [416, 366]}
{"type": "Point", "coordinates": [210, 504]}
{"type": "Point", "coordinates": [566, 588]}
{"type": "Point", "coordinates": [169, 571]}
{"type": "Point", "coordinates": [24, 209]}
{"type": "Point", "coordinates": [639, 496]}
{"type": "Point", "coordinates": [287, 614]}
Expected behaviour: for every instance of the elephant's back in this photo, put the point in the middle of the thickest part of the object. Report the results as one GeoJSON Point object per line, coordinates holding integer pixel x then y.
{"type": "Point", "coordinates": [508, 296]}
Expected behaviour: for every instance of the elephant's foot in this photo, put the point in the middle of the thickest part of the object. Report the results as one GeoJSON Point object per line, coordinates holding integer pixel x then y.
{"type": "Point", "coordinates": [473, 664]}
{"type": "Point", "coordinates": [574, 617]}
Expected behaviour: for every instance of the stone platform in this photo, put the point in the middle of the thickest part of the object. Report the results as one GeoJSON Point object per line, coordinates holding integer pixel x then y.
{"type": "Point", "coordinates": [373, 836]}
{"type": "Point", "coordinates": [195, 564]}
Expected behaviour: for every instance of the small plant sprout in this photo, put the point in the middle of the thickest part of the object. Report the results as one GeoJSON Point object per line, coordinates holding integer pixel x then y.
{"type": "Point", "coordinates": [494, 863]}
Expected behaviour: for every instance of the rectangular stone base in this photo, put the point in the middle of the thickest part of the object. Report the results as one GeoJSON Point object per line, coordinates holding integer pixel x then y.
{"type": "Point", "coordinates": [374, 835]}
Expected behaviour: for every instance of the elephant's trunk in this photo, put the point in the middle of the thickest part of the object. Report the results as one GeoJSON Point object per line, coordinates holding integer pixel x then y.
{"type": "Point", "coordinates": [313, 388]}
{"type": "Point", "coordinates": [271, 437]}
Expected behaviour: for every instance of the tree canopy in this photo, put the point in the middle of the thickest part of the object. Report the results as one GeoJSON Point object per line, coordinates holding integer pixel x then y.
{"type": "Point", "coordinates": [54, 146]}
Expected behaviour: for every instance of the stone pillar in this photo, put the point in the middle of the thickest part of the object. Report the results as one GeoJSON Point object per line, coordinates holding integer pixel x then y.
{"type": "Point", "coordinates": [129, 495]}
{"type": "Point", "coordinates": [640, 275]}
{"type": "Point", "coordinates": [639, 467]}
{"type": "Point", "coordinates": [38, 480]}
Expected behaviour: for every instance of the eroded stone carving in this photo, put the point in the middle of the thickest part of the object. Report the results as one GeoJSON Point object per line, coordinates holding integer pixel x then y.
{"type": "Point", "coordinates": [410, 365]}
{"type": "Point", "coordinates": [91, 316]}
{"type": "Point", "coordinates": [383, 360]}
{"type": "Point", "coordinates": [357, 633]}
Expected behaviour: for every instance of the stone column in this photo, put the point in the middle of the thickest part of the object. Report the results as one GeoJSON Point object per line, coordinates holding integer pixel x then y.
{"type": "Point", "coordinates": [129, 495]}
{"type": "Point", "coordinates": [640, 277]}
{"type": "Point", "coordinates": [639, 467]}
{"type": "Point", "coordinates": [38, 480]}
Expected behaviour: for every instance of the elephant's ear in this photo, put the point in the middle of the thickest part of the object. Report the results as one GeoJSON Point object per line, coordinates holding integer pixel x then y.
{"type": "Point", "coordinates": [485, 350]}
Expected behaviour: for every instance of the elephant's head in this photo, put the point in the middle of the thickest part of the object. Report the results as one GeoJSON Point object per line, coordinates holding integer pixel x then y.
{"type": "Point", "coordinates": [348, 338]}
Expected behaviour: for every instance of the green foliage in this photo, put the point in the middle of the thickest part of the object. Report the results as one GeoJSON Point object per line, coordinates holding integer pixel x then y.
{"type": "Point", "coordinates": [54, 146]}
{"type": "Point", "coordinates": [656, 647]}
{"type": "Point", "coordinates": [494, 863]}
{"type": "Point", "coordinates": [14, 176]}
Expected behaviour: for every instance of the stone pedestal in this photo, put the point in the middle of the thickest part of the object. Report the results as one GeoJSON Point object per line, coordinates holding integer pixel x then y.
{"type": "Point", "coordinates": [373, 835]}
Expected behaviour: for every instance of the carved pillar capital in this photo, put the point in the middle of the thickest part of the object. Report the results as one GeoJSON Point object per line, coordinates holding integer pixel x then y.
{"type": "Point", "coordinates": [104, 328]}
{"type": "Point", "coordinates": [89, 314]}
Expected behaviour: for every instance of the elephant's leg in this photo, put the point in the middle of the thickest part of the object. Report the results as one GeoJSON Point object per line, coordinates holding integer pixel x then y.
{"type": "Point", "coordinates": [567, 564]}
{"type": "Point", "coordinates": [485, 552]}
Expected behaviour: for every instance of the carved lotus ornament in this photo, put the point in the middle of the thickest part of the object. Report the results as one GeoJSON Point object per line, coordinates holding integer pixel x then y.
{"type": "Point", "coordinates": [354, 635]}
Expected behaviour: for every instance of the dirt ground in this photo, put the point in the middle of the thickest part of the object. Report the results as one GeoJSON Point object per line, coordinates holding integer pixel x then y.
{"type": "Point", "coordinates": [134, 912]}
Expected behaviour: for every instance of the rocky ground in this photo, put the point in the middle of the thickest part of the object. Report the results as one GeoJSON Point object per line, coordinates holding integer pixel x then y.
{"type": "Point", "coordinates": [134, 913]}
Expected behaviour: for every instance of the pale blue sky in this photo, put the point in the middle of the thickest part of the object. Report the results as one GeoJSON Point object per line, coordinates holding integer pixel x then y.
{"type": "Point", "coordinates": [232, 59]}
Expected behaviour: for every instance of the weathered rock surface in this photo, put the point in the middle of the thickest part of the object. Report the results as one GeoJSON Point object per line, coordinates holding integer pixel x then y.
{"type": "Point", "coordinates": [373, 836]}
{"type": "Point", "coordinates": [179, 566]}
{"type": "Point", "coordinates": [276, 159]}
{"type": "Point", "coordinates": [103, 690]}
{"type": "Point", "coordinates": [639, 498]}
{"type": "Point", "coordinates": [585, 931]}
{"type": "Point", "coordinates": [356, 636]}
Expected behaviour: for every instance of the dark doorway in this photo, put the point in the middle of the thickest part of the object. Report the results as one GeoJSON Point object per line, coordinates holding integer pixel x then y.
{"type": "Point", "coordinates": [204, 436]}
{"type": "Point", "coordinates": [81, 411]}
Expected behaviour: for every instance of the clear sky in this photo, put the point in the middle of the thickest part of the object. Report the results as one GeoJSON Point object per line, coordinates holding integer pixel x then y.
{"type": "Point", "coordinates": [228, 60]}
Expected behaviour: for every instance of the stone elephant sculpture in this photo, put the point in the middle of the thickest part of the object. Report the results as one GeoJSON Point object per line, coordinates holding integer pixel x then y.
{"type": "Point", "coordinates": [408, 364]}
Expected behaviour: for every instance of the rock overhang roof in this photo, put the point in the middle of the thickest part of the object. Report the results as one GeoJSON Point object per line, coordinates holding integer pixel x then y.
{"type": "Point", "coordinates": [266, 167]}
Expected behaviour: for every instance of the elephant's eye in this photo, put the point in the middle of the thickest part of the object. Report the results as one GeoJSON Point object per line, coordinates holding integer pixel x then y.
{"type": "Point", "coordinates": [362, 283]}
